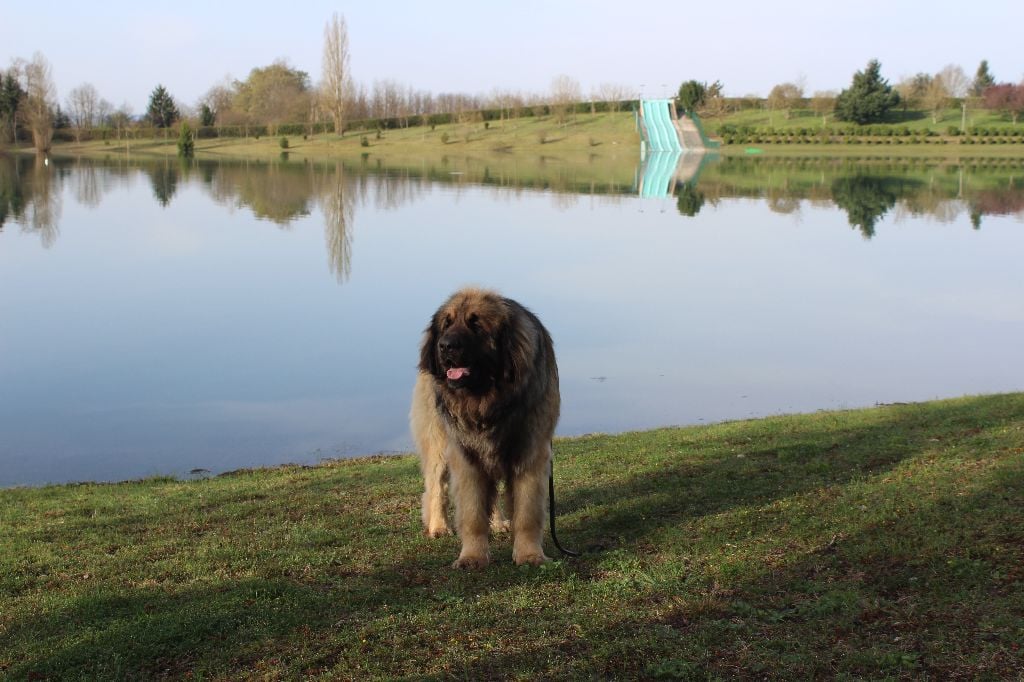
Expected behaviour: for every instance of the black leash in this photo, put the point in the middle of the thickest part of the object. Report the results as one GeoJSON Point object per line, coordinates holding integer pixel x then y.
{"type": "Point", "coordinates": [551, 511]}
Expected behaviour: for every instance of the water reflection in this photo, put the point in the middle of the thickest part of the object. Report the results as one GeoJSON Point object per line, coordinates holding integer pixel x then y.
{"type": "Point", "coordinates": [869, 189]}
{"type": "Point", "coordinates": [30, 197]}
{"type": "Point", "coordinates": [186, 318]}
{"type": "Point", "coordinates": [282, 192]}
{"type": "Point", "coordinates": [866, 198]}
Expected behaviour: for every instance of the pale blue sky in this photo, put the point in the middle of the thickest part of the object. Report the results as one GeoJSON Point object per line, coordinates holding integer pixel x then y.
{"type": "Point", "coordinates": [126, 48]}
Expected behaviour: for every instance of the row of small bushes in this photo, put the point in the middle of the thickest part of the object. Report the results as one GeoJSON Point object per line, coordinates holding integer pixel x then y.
{"type": "Point", "coordinates": [829, 139]}
{"type": "Point", "coordinates": [729, 129]}
{"type": "Point", "coordinates": [996, 132]}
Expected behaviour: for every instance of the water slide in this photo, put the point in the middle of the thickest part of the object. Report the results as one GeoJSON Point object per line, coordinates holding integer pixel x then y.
{"type": "Point", "coordinates": [661, 131]}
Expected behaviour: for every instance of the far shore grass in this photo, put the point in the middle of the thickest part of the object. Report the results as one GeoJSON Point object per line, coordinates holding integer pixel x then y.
{"type": "Point", "coordinates": [580, 138]}
{"type": "Point", "coordinates": [883, 543]}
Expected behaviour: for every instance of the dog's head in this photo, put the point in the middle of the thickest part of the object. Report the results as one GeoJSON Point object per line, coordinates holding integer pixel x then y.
{"type": "Point", "coordinates": [468, 344]}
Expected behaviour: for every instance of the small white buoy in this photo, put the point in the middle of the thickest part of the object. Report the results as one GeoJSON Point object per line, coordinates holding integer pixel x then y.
{"type": "Point", "coordinates": [46, 161]}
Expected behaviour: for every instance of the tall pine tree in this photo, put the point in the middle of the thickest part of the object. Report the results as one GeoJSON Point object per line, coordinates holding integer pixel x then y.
{"type": "Point", "coordinates": [983, 79]}
{"type": "Point", "coordinates": [11, 94]}
{"type": "Point", "coordinates": [162, 111]}
{"type": "Point", "coordinates": [868, 98]}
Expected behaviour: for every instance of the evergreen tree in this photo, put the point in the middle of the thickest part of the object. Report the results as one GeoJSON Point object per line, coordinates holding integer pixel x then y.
{"type": "Point", "coordinates": [691, 95]}
{"type": "Point", "coordinates": [206, 116]}
{"type": "Point", "coordinates": [983, 79]}
{"type": "Point", "coordinates": [61, 119]}
{"type": "Point", "coordinates": [186, 145]}
{"type": "Point", "coordinates": [162, 111]}
{"type": "Point", "coordinates": [11, 94]}
{"type": "Point", "coordinates": [868, 98]}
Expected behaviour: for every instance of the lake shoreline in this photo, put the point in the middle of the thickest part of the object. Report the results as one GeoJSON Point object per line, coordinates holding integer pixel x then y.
{"type": "Point", "coordinates": [369, 458]}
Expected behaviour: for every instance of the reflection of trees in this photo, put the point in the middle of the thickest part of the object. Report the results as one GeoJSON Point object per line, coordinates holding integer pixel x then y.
{"type": "Point", "coordinates": [276, 192]}
{"type": "Point", "coordinates": [783, 203]}
{"type": "Point", "coordinates": [1004, 201]}
{"type": "Point", "coordinates": [337, 201]}
{"type": "Point", "coordinates": [163, 176]}
{"type": "Point", "coordinates": [87, 183]}
{"type": "Point", "coordinates": [868, 189]}
{"type": "Point", "coordinates": [865, 199]}
{"type": "Point", "coordinates": [689, 200]}
{"type": "Point", "coordinates": [30, 196]}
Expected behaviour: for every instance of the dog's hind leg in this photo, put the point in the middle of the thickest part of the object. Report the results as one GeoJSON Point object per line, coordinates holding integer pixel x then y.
{"type": "Point", "coordinates": [499, 516]}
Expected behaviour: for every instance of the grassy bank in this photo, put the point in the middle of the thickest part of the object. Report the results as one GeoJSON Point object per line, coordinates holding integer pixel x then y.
{"type": "Point", "coordinates": [579, 138]}
{"type": "Point", "coordinates": [863, 544]}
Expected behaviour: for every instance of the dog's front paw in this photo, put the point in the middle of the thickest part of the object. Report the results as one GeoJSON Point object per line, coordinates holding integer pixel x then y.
{"type": "Point", "coordinates": [471, 563]}
{"type": "Point", "coordinates": [531, 558]}
{"type": "Point", "coordinates": [438, 531]}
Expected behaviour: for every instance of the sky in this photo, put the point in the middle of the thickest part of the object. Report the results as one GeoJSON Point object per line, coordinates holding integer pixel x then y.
{"type": "Point", "coordinates": [125, 49]}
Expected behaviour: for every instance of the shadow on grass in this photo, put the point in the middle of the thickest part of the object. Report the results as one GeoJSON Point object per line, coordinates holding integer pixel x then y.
{"type": "Point", "coordinates": [307, 615]}
{"type": "Point", "coordinates": [739, 470]}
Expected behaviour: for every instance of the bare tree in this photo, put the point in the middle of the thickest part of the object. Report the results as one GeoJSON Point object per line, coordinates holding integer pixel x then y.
{"type": "Point", "coordinates": [83, 108]}
{"type": "Point", "coordinates": [40, 101]}
{"type": "Point", "coordinates": [121, 119]}
{"type": "Point", "coordinates": [913, 89]}
{"type": "Point", "coordinates": [335, 65]}
{"type": "Point", "coordinates": [956, 81]}
{"type": "Point", "coordinates": [565, 93]}
{"type": "Point", "coordinates": [936, 97]}
{"type": "Point", "coordinates": [614, 94]}
{"type": "Point", "coordinates": [104, 109]}
{"type": "Point", "coordinates": [219, 98]}
{"type": "Point", "coordinates": [824, 103]}
{"type": "Point", "coordinates": [785, 96]}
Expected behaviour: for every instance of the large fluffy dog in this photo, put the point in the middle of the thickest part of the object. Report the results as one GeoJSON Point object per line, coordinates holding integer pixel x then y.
{"type": "Point", "coordinates": [483, 412]}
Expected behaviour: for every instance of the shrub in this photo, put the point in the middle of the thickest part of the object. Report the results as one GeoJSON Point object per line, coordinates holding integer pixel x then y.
{"type": "Point", "coordinates": [953, 131]}
{"type": "Point", "coordinates": [444, 138]}
{"type": "Point", "coordinates": [186, 145]}
{"type": "Point", "coordinates": [283, 142]}
{"type": "Point", "coordinates": [364, 141]}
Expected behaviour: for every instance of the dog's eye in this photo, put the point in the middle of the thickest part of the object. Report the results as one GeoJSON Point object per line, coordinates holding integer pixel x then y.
{"type": "Point", "coordinates": [446, 322]}
{"type": "Point", "coordinates": [473, 321]}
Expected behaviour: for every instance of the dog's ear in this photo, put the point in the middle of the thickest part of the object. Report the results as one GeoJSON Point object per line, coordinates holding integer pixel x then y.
{"type": "Point", "coordinates": [428, 348]}
{"type": "Point", "coordinates": [513, 352]}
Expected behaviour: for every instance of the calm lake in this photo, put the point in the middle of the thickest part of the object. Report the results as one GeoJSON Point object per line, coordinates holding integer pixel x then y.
{"type": "Point", "coordinates": [157, 318]}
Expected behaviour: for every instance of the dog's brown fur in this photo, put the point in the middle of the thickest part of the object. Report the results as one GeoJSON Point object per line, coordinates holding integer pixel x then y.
{"type": "Point", "coordinates": [492, 425]}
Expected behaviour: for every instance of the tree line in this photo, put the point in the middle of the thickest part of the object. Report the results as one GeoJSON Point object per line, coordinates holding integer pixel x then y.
{"type": "Point", "coordinates": [280, 97]}
{"type": "Point", "coordinates": [870, 97]}
{"type": "Point", "coordinates": [268, 99]}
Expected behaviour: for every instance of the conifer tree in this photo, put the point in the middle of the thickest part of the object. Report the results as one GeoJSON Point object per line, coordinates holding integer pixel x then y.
{"type": "Point", "coordinates": [983, 79]}
{"type": "Point", "coordinates": [868, 98]}
{"type": "Point", "coordinates": [162, 111]}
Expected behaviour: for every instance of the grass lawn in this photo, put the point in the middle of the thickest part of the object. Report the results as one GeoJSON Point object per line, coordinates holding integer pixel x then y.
{"type": "Point", "coordinates": [867, 544]}
{"type": "Point", "coordinates": [580, 138]}
{"type": "Point", "coordinates": [916, 121]}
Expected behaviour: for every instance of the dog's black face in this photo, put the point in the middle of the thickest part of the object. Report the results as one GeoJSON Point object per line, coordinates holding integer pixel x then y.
{"type": "Point", "coordinates": [462, 345]}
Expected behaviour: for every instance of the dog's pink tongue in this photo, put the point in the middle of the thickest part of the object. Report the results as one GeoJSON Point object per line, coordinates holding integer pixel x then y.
{"type": "Point", "coordinates": [456, 373]}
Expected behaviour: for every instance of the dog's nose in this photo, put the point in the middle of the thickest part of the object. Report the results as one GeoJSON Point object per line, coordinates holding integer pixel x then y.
{"type": "Point", "coordinates": [449, 344]}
